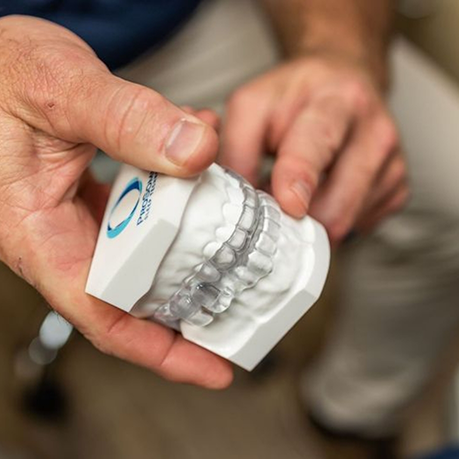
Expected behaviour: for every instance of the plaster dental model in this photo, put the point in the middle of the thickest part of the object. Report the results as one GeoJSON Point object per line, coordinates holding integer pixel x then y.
{"type": "Point", "coordinates": [209, 256]}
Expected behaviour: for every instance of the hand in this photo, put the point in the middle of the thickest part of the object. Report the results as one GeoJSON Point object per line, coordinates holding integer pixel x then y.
{"type": "Point", "coordinates": [57, 102]}
{"type": "Point", "coordinates": [337, 149]}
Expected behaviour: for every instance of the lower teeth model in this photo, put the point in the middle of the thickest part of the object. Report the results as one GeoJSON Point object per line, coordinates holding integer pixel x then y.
{"type": "Point", "coordinates": [211, 257]}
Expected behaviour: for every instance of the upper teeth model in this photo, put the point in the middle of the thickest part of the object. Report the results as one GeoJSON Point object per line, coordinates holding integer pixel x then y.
{"type": "Point", "coordinates": [211, 257]}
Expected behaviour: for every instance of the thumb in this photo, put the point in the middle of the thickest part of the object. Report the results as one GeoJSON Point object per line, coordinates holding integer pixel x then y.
{"type": "Point", "coordinates": [136, 125]}
{"type": "Point", "coordinates": [131, 123]}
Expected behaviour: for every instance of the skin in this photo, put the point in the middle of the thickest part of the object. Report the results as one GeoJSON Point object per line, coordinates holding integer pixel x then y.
{"type": "Point", "coordinates": [57, 101]}
{"type": "Point", "coordinates": [323, 116]}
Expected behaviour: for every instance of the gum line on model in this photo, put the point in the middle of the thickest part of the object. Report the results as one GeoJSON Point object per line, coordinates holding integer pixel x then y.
{"type": "Point", "coordinates": [209, 256]}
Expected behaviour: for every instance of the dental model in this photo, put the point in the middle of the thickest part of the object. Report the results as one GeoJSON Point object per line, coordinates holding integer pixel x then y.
{"type": "Point", "coordinates": [210, 257]}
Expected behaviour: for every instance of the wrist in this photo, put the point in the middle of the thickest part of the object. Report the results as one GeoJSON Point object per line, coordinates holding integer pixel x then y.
{"type": "Point", "coordinates": [347, 40]}
{"type": "Point", "coordinates": [358, 31]}
{"type": "Point", "coordinates": [368, 60]}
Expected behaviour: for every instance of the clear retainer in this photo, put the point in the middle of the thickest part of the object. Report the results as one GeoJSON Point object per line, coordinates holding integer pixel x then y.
{"type": "Point", "coordinates": [245, 258]}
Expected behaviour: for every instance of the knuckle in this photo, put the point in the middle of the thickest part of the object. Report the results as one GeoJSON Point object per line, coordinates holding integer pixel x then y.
{"type": "Point", "coordinates": [243, 98]}
{"type": "Point", "coordinates": [137, 99]}
{"type": "Point", "coordinates": [277, 127]}
{"type": "Point", "coordinates": [359, 96]}
{"type": "Point", "coordinates": [103, 338]}
{"type": "Point", "coordinates": [128, 111]}
{"type": "Point", "coordinates": [328, 136]}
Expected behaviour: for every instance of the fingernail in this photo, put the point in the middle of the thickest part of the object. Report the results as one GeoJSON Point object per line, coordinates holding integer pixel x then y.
{"type": "Point", "coordinates": [303, 193]}
{"type": "Point", "coordinates": [183, 141]}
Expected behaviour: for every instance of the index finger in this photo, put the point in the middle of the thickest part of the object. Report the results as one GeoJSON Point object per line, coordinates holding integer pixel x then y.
{"type": "Point", "coordinates": [244, 133]}
{"type": "Point", "coordinates": [308, 149]}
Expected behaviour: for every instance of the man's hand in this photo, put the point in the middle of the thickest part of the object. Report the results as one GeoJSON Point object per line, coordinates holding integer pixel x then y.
{"type": "Point", "coordinates": [323, 116]}
{"type": "Point", "coordinates": [336, 146]}
{"type": "Point", "coordinates": [57, 103]}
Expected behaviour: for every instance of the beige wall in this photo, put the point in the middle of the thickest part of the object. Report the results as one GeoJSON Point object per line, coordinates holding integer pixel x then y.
{"type": "Point", "coordinates": [437, 34]}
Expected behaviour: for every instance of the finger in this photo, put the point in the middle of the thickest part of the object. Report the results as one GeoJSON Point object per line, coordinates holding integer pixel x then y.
{"type": "Point", "coordinates": [390, 179]}
{"type": "Point", "coordinates": [341, 198]}
{"type": "Point", "coordinates": [244, 132]}
{"type": "Point", "coordinates": [131, 123]}
{"type": "Point", "coordinates": [294, 98]}
{"type": "Point", "coordinates": [206, 115]}
{"type": "Point", "coordinates": [202, 367]}
{"type": "Point", "coordinates": [156, 347]}
{"type": "Point", "coordinates": [392, 204]}
{"type": "Point", "coordinates": [308, 149]}
{"type": "Point", "coordinates": [59, 271]}
{"type": "Point", "coordinates": [210, 117]}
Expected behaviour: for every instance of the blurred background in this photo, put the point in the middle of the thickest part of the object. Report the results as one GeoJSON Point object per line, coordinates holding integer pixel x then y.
{"type": "Point", "coordinates": [78, 403]}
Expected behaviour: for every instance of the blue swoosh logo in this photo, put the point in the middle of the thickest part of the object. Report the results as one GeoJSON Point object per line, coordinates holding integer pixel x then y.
{"type": "Point", "coordinates": [134, 185]}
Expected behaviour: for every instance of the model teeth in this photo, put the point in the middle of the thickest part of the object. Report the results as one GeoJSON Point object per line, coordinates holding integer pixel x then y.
{"type": "Point", "coordinates": [266, 244]}
{"type": "Point", "coordinates": [238, 239]}
{"type": "Point", "coordinates": [225, 258]}
{"type": "Point", "coordinates": [250, 197]}
{"type": "Point", "coordinates": [206, 295]}
{"type": "Point", "coordinates": [182, 306]}
{"type": "Point", "coordinates": [240, 262]}
{"type": "Point", "coordinates": [260, 264]}
{"type": "Point", "coordinates": [248, 218]}
{"type": "Point", "coordinates": [270, 212]}
{"type": "Point", "coordinates": [246, 276]}
{"type": "Point", "coordinates": [272, 228]}
{"type": "Point", "coordinates": [208, 273]}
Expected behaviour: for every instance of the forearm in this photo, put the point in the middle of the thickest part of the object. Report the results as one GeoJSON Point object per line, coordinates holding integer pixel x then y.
{"type": "Point", "coordinates": [359, 29]}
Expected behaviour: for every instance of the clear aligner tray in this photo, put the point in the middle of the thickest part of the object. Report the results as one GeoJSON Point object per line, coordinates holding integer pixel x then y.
{"type": "Point", "coordinates": [245, 258]}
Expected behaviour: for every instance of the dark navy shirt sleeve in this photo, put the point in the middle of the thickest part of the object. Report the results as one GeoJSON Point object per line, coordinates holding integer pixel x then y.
{"type": "Point", "coordinates": [117, 30]}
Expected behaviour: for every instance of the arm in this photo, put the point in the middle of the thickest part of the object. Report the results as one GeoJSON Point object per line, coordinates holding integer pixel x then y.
{"type": "Point", "coordinates": [359, 29]}
{"type": "Point", "coordinates": [322, 114]}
